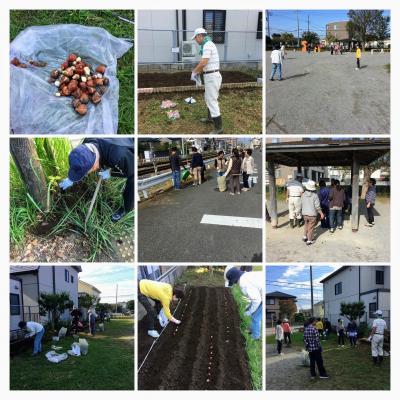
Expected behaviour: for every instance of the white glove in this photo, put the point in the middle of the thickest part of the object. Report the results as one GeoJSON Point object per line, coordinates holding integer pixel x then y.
{"type": "Point", "coordinates": [247, 313]}
{"type": "Point", "coordinates": [175, 321]}
{"type": "Point", "coordinates": [193, 76]}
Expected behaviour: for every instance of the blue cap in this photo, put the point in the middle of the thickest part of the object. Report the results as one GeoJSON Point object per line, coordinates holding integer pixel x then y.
{"type": "Point", "coordinates": [81, 160]}
{"type": "Point", "coordinates": [233, 275]}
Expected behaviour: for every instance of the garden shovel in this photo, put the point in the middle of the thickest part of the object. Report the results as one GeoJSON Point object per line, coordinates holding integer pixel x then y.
{"type": "Point", "coordinates": [96, 192]}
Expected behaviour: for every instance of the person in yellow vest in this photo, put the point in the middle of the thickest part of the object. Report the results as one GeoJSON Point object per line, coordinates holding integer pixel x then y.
{"type": "Point", "coordinates": [162, 294]}
{"type": "Point", "coordinates": [320, 327]}
{"type": "Point", "coordinates": [358, 57]}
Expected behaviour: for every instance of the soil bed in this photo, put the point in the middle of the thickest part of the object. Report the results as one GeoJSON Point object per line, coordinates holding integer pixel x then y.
{"type": "Point", "coordinates": [159, 79]}
{"type": "Point", "coordinates": [205, 352]}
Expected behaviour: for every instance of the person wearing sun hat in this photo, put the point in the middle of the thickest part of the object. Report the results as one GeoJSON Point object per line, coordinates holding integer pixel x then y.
{"type": "Point", "coordinates": [310, 207]}
{"type": "Point", "coordinates": [209, 67]}
{"type": "Point", "coordinates": [109, 158]}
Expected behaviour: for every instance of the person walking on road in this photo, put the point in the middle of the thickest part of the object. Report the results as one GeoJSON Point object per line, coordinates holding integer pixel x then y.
{"type": "Point", "coordinates": [358, 57]}
{"type": "Point", "coordinates": [377, 337]}
{"type": "Point", "coordinates": [162, 294]}
{"type": "Point", "coordinates": [251, 286]}
{"type": "Point", "coordinates": [314, 348]}
{"type": "Point", "coordinates": [234, 167]}
{"type": "Point", "coordinates": [196, 166]}
{"type": "Point", "coordinates": [287, 332]}
{"type": "Point", "coordinates": [340, 331]}
{"type": "Point", "coordinates": [279, 336]}
{"type": "Point", "coordinates": [294, 191]}
{"type": "Point", "coordinates": [352, 330]}
{"type": "Point", "coordinates": [109, 158]}
{"type": "Point", "coordinates": [337, 199]}
{"type": "Point", "coordinates": [311, 207]}
{"type": "Point", "coordinates": [276, 60]}
{"type": "Point", "coordinates": [33, 329]}
{"type": "Point", "coordinates": [176, 163]}
{"type": "Point", "coordinates": [209, 67]}
{"type": "Point", "coordinates": [247, 168]}
{"type": "Point", "coordinates": [370, 198]}
{"type": "Point", "coordinates": [324, 201]}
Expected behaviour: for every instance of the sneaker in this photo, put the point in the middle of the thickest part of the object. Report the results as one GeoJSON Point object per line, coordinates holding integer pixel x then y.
{"type": "Point", "coordinates": [310, 242]}
{"type": "Point", "coordinates": [232, 193]}
{"type": "Point", "coordinates": [154, 334]}
{"type": "Point", "coordinates": [271, 79]}
{"type": "Point", "coordinates": [331, 230]}
{"type": "Point", "coordinates": [304, 239]}
{"type": "Point", "coordinates": [340, 227]}
{"type": "Point", "coordinates": [245, 190]}
{"type": "Point", "coordinates": [369, 225]}
{"type": "Point", "coordinates": [323, 377]}
{"type": "Point", "coordinates": [373, 223]}
{"type": "Point", "coordinates": [118, 215]}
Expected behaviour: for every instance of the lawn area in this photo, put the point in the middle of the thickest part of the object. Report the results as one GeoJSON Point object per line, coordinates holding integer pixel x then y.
{"type": "Point", "coordinates": [21, 19]}
{"type": "Point", "coordinates": [241, 111]}
{"type": "Point", "coordinates": [348, 368]}
{"type": "Point", "coordinates": [109, 364]}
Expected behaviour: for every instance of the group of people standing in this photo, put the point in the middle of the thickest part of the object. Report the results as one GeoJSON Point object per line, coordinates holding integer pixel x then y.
{"type": "Point", "coordinates": [330, 204]}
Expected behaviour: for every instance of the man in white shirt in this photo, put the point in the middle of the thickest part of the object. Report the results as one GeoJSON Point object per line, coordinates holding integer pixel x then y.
{"type": "Point", "coordinates": [209, 67]}
{"type": "Point", "coordinates": [294, 191]}
{"type": "Point", "coordinates": [276, 60]}
{"type": "Point", "coordinates": [377, 336]}
{"type": "Point", "coordinates": [33, 329]}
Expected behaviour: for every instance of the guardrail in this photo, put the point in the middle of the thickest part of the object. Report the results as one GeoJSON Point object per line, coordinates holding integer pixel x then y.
{"type": "Point", "coordinates": [147, 183]}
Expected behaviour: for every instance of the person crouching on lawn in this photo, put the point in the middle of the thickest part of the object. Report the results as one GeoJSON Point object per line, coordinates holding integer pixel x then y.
{"type": "Point", "coordinates": [33, 329]}
{"type": "Point", "coordinates": [162, 294]}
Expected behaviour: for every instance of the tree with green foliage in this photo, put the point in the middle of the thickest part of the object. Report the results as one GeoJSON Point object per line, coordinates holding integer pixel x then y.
{"type": "Point", "coordinates": [330, 38]}
{"type": "Point", "coordinates": [288, 38]}
{"type": "Point", "coordinates": [87, 301]}
{"type": "Point", "coordinates": [353, 310]}
{"type": "Point", "coordinates": [53, 305]}
{"type": "Point", "coordinates": [287, 308]}
{"type": "Point", "coordinates": [299, 317]}
{"type": "Point", "coordinates": [311, 37]}
{"type": "Point", "coordinates": [104, 307]}
{"type": "Point", "coordinates": [130, 305]}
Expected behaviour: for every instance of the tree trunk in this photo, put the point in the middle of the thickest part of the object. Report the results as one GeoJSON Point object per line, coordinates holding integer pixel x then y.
{"type": "Point", "coordinates": [26, 159]}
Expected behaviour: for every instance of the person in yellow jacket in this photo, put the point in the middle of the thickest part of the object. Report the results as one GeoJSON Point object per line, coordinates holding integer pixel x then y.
{"type": "Point", "coordinates": [320, 327]}
{"type": "Point", "coordinates": [162, 294]}
{"type": "Point", "coordinates": [358, 56]}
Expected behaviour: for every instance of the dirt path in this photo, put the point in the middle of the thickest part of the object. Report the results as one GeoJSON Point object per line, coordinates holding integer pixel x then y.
{"type": "Point", "coordinates": [284, 372]}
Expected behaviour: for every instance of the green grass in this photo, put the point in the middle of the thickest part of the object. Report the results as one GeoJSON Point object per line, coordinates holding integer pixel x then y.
{"type": "Point", "coordinates": [241, 111]}
{"type": "Point", "coordinates": [21, 19]}
{"type": "Point", "coordinates": [201, 276]}
{"type": "Point", "coordinates": [107, 366]}
{"type": "Point", "coordinates": [348, 368]}
{"type": "Point", "coordinates": [253, 347]}
{"type": "Point", "coordinates": [69, 208]}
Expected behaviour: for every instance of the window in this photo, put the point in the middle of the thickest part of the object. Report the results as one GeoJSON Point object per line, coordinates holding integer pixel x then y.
{"type": "Point", "coordinates": [270, 301]}
{"type": "Point", "coordinates": [14, 304]}
{"type": "Point", "coordinates": [271, 315]}
{"type": "Point", "coordinates": [66, 275]}
{"type": "Point", "coordinates": [380, 277]}
{"type": "Point", "coordinates": [338, 288]}
{"type": "Point", "coordinates": [72, 279]}
{"type": "Point", "coordinates": [259, 26]}
{"type": "Point", "coordinates": [372, 309]}
{"type": "Point", "coordinates": [214, 21]}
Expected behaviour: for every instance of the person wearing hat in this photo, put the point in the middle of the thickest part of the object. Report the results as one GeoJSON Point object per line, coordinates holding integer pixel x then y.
{"type": "Point", "coordinates": [109, 158]}
{"type": "Point", "coordinates": [294, 191]}
{"type": "Point", "coordinates": [209, 67]}
{"type": "Point", "coordinates": [251, 286]}
{"type": "Point", "coordinates": [377, 336]}
{"type": "Point", "coordinates": [311, 207]}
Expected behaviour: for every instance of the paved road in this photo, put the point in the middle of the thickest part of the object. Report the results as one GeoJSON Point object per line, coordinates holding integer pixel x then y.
{"type": "Point", "coordinates": [323, 94]}
{"type": "Point", "coordinates": [367, 245]}
{"type": "Point", "coordinates": [170, 229]}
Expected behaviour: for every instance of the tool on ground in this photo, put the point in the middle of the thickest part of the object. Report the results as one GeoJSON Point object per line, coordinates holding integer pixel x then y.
{"type": "Point", "coordinates": [96, 192]}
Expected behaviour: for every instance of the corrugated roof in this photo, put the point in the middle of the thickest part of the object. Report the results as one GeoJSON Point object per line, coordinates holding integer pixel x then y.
{"type": "Point", "coordinates": [16, 269]}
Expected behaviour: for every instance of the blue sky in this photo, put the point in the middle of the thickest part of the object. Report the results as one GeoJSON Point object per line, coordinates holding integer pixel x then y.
{"type": "Point", "coordinates": [286, 20]}
{"type": "Point", "coordinates": [106, 277]}
{"type": "Point", "coordinates": [295, 280]}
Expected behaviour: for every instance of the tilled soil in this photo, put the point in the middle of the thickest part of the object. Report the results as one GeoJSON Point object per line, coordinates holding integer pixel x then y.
{"type": "Point", "coordinates": [205, 352]}
{"type": "Point", "coordinates": [159, 79]}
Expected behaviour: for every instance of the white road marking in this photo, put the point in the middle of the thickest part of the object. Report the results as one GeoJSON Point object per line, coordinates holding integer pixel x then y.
{"type": "Point", "coordinates": [227, 220]}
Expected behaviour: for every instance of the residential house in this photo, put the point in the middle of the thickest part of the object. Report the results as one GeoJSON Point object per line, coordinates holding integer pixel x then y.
{"type": "Point", "coordinates": [319, 309]}
{"type": "Point", "coordinates": [85, 288]}
{"type": "Point", "coordinates": [368, 283]}
{"type": "Point", "coordinates": [28, 282]}
{"type": "Point", "coordinates": [272, 305]}
{"type": "Point", "coordinates": [338, 30]}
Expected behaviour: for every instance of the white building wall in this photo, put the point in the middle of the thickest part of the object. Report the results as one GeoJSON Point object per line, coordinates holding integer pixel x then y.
{"type": "Point", "coordinates": [368, 277]}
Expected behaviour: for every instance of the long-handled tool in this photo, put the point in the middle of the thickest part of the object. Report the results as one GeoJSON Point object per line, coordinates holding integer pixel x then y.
{"type": "Point", "coordinates": [96, 192]}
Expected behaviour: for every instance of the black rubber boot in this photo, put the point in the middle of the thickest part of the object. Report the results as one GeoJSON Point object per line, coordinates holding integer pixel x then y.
{"type": "Point", "coordinates": [217, 126]}
{"type": "Point", "coordinates": [294, 223]}
{"type": "Point", "coordinates": [375, 360]}
{"type": "Point", "coordinates": [207, 120]}
{"type": "Point", "coordinates": [291, 223]}
{"type": "Point", "coordinates": [301, 222]}
{"type": "Point", "coordinates": [380, 360]}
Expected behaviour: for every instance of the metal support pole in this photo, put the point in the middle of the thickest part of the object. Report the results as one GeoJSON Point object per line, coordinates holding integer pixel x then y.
{"type": "Point", "coordinates": [355, 181]}
{"type": "Point", "coordinates": [273, 211]}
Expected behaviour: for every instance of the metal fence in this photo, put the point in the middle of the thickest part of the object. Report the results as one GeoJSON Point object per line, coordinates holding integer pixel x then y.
{"type": "Point", "coordinates": [164, 46]}
{"type": "Point", "coordinates": [25, 313]}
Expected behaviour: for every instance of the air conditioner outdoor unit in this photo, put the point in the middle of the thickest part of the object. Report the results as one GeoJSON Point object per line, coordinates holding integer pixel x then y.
{"type": "Point", "coordinates": [188, 51]}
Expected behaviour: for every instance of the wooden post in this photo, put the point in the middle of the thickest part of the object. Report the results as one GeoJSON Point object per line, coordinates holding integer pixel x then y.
{"type": "Point", "coordinates": [273, 208]}
{"type": "Point", "coordinates": [25, 157]}
{"type": "Point", "coordinates": [355, 181]}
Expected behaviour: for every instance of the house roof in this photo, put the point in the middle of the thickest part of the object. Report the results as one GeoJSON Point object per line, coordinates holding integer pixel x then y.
{"type": "Point", "coordinates": [21, 269]}
{"type": "Point", "coordinates": [333, 274]}
{"type": "Point", "coordinates": [93, 287]}
{"type": "Point", "coordinates": [280, 295]}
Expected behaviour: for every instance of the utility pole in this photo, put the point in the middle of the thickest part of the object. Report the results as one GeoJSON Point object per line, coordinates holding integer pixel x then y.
{"type": "Point", "coordinates": [298, 29]}
{"type": "Point", "coordinates": [116, 299]}
{"type": "Point", "coordinates": [312, 292]}
{"type": "Point", "coordinates": [269, 32]}
{"type": "Point", "coordinates": [308, 23]}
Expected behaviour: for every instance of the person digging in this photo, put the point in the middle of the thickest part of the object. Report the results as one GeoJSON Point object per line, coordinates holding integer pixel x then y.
{"type": "Point", "coordinates": [162, 294]}
{"type": "Point", "coordinates": [109, 158]}
{"type": "Point", "coordinates": [209, 67]}
{"type": "Point", "coordinates": [33, 329]}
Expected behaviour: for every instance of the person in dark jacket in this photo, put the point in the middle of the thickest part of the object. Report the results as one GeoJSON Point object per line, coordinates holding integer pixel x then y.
{"type": "Point", "coordinates": [109, 158]}
{"type": "Point", "coordinates": [324, 201]}
{"type": "Point", "coordinates": [196, 166]}
{"type": "Point", "coordinates": [76, 315]}
{"type": "Point", "coordinates": [370, 198]}
{"type": "Point", "coordinates": [234, 168]}
{"type": "Point", "coordinates": [176, 163]}
{"type": "Point", "coordinates": [337, 199]}
{"type": "Point", "coordinates": [352, 331]}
